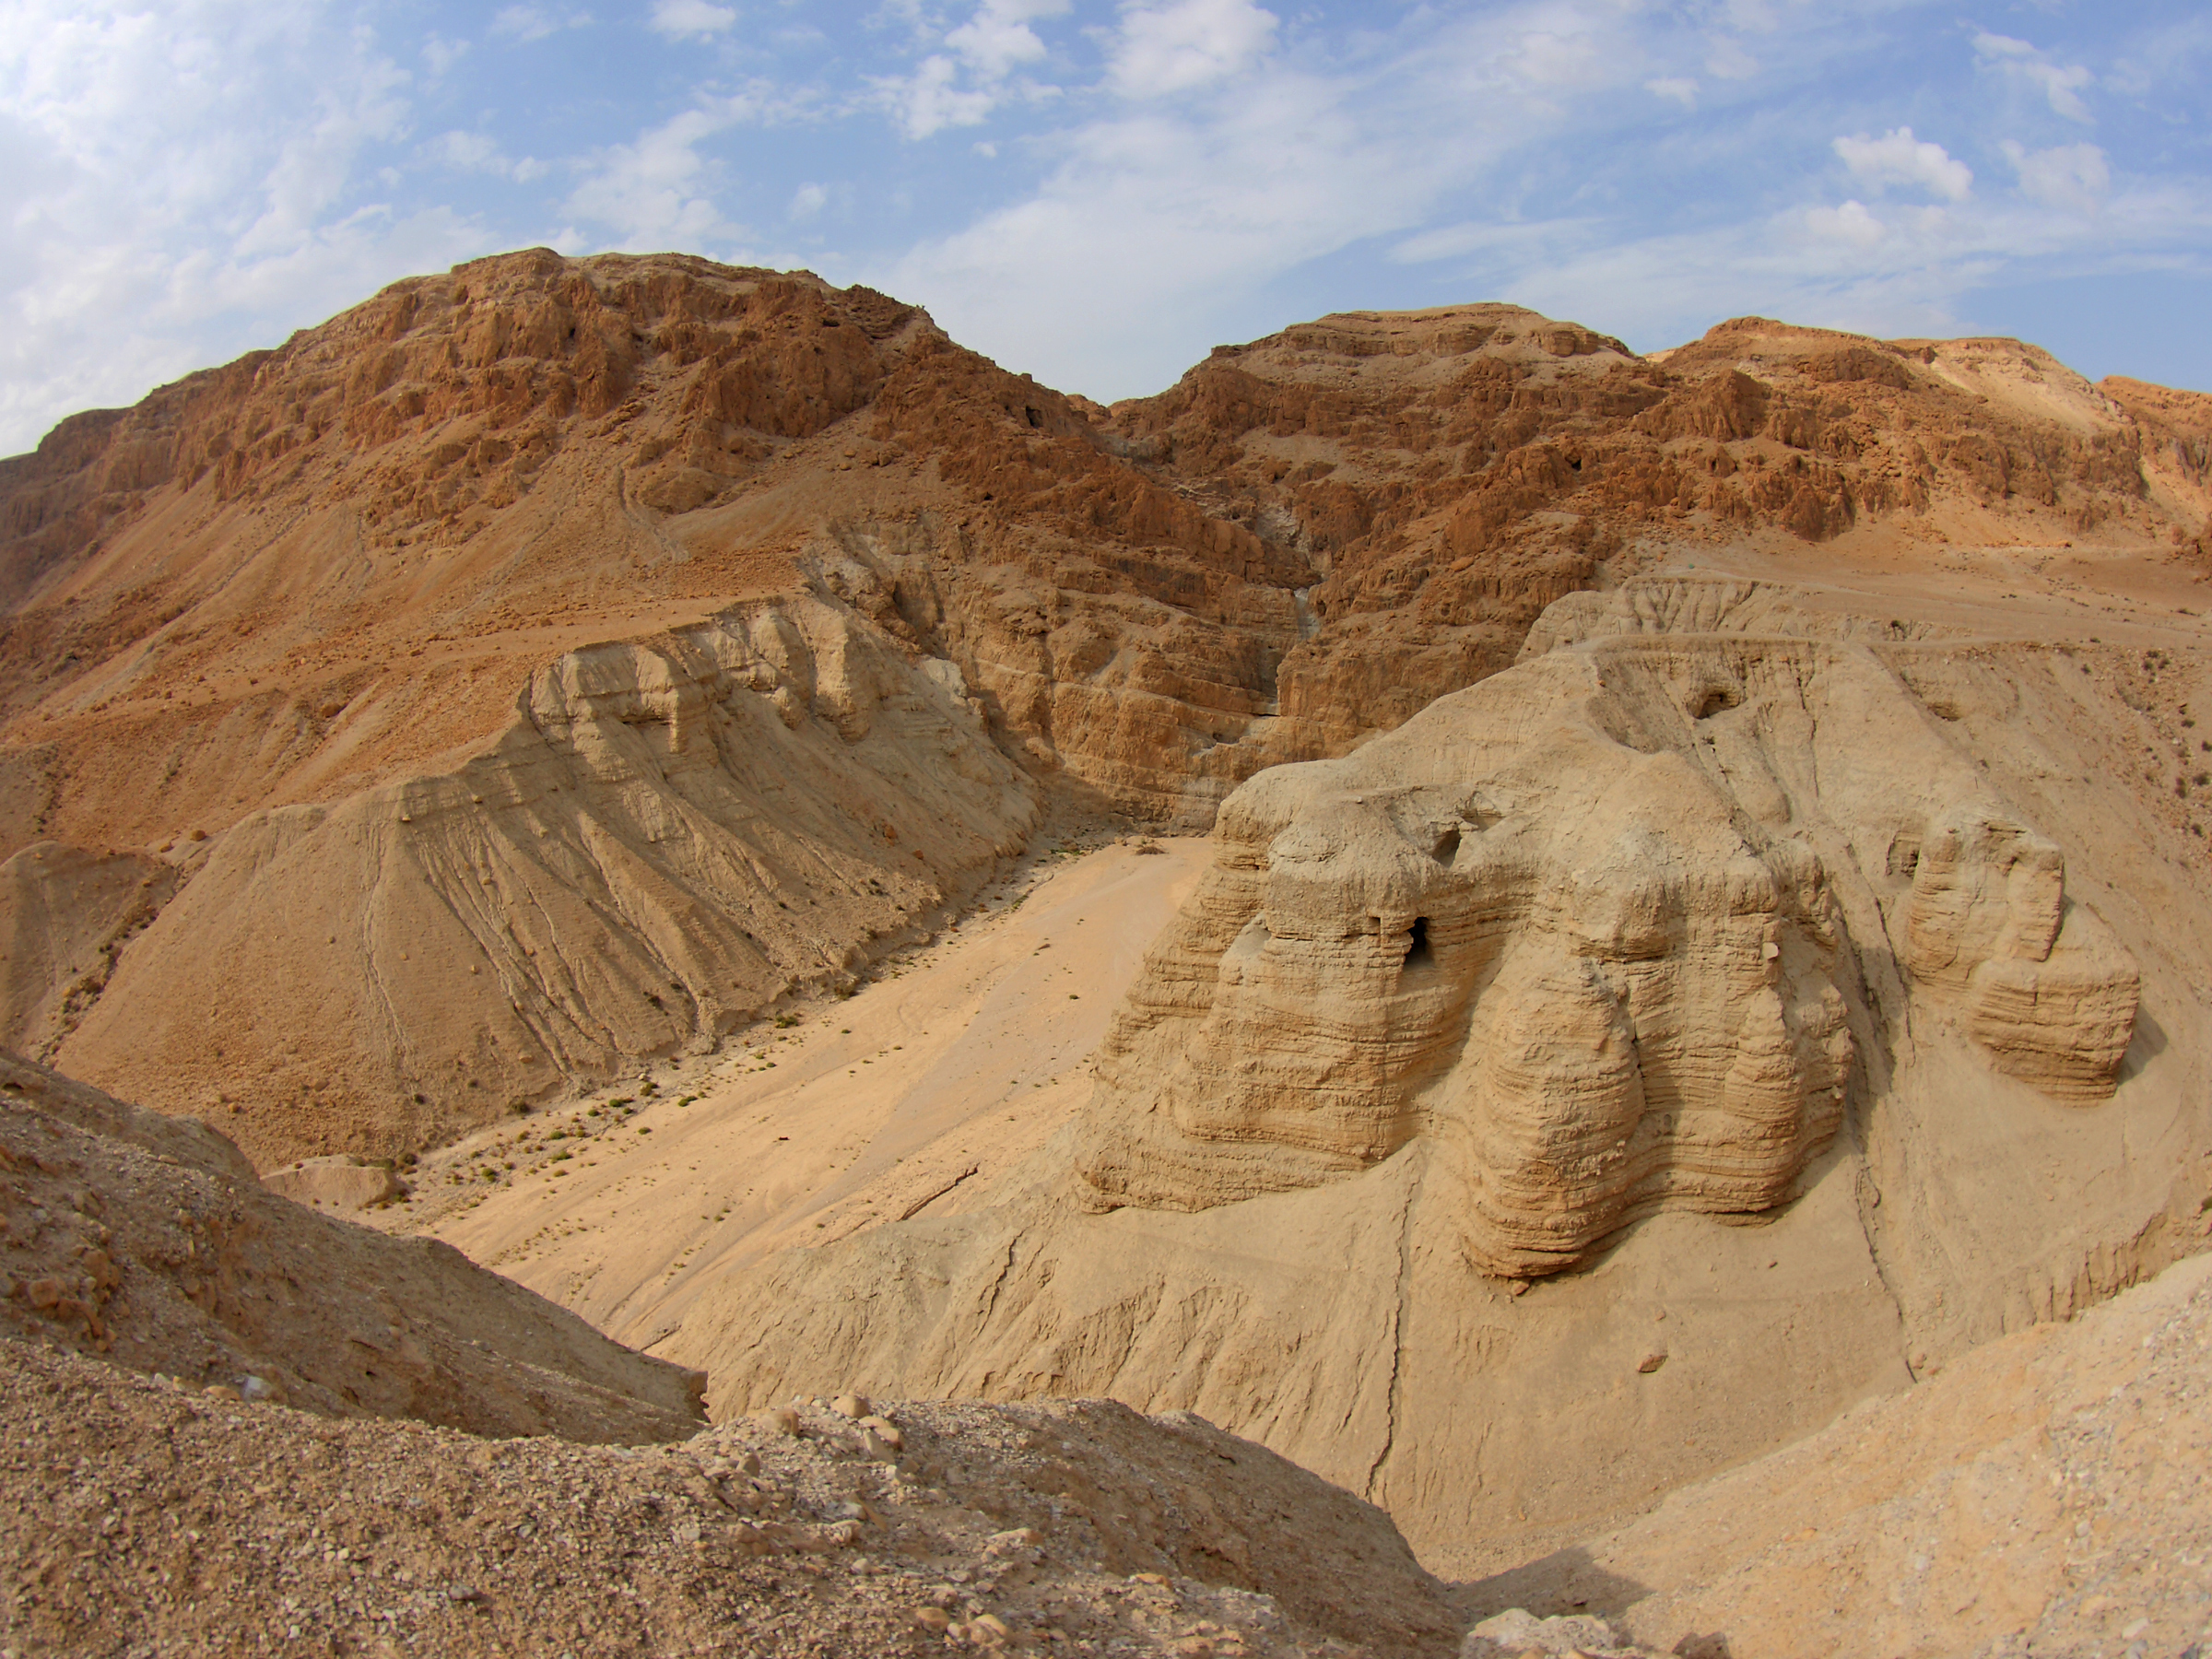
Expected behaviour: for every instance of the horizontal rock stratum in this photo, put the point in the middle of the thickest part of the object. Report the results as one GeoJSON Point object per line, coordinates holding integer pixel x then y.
{"type": "Point", "coordinates": [551, 663]}
{"type": "Point", "coordinates": [1729, 1012]}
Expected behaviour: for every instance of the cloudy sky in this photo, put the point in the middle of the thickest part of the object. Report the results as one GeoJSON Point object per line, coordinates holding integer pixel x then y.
{"type": "Point", "coordinates": [1098, 192]}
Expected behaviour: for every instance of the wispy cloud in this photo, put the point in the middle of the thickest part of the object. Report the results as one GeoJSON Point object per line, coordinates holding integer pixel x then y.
{"type": "Point", "coordinates": [1131, 180]}
{"type": "Point", "coordinates": [1898, 158]}
{"type": "Point", "coordinates": [2060, 84]}
{"type": "Point", "coordinates": [973, 73]}
{"type": "Point", "coordinates": [685, 19]}
{"type": "Point", "coordinates": [533, 22]}
{"type": "Point", "coordinates": [658, 191]}
{"type": "Point", "coordinates": [2073, 176]}
{"type": "Point", "coordinates": [480, 153]}
{"type": "Point", "coordinates": [1161, 49]}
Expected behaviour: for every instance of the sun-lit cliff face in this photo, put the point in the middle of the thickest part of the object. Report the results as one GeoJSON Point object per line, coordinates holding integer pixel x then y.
{"type": "Point", "coordinates": [575, 546]}
{"type": "Point", "coordinates": [1601, 930]}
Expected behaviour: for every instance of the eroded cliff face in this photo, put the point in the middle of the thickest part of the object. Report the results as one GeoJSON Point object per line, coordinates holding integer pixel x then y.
{"type": "Point", "coordinates": [1598, 957]}
{"type": "Point", "coordinates": [670, 835]}
{"type": "Point", "coordinates": [1734, 1009]}
{"type": "Point", "coordinates": [1452, 472]}
{"type": "Point", "coordinates": [247, 616]}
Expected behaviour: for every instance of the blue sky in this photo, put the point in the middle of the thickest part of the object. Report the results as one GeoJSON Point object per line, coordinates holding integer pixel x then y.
{"type": "Point", "coordinates": [1097, 193]}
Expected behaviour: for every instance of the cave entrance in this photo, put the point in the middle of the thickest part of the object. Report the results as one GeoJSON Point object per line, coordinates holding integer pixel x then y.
{"type": "Point", "coordinates": [1417, 944]}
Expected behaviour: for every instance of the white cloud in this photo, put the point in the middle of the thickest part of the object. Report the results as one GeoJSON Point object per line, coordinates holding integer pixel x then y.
{"type": "Point", "coordinates": [530, 22]}
{"type": "Point", "coordinates": [1898, 158]}
{"type": "Point", "coordinates": [1524, 241]}
{"type": "Point", "coordinates": [807, 202]}
{"type": "Point", "coordinates": [1165, 217]}
{"type": "Point", "coordinates": [657, 192]}
{"type": "Point", "coordinates": [1728, 61]}
{"type": "Point", "coordinates": [181, 183]}
{"type": "Point", "coordinates": [1680, 87]}
{"type": "Point", "coordinates": [962, 84]}
{"type": "Point", "coordinates": [480, 153]}
{"type": "Point", "coordinates": [998, 37]}
{"type": "Point", "coordinates": [2058, 85]}
{"type": "Point", "coordinates": [927, 102]}
{"type": "Point", "coordinates": [439, 54]}
{"type": "Point", "coordinates": [2073, 176]}
{"type": "Point", "coordinates": [682, 20]}
{"type": "Point", "coordinates": [1186, 44]}
{"type": "Point", "coordinates": [1850, 223]}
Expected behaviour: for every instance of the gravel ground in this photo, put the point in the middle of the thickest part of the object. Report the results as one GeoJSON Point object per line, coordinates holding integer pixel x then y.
{"type": "Point", "coordinates": [142, 1517]}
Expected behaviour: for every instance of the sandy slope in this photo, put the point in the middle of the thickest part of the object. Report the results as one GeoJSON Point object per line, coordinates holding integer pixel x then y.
{"type": "Point", "coordinates": [941, 1074]}
{"type": "Point", "coordinates": [2051, 1494]}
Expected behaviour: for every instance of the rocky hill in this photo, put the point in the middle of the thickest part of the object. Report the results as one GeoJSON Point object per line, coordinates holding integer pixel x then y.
{"type": "Point", "coordinates": [554, 663]}
{"type": "Point", "coordinates": [223, 1418]}
{"type": "Point", "coordinates": [147, 1242]}
{"type": "Point", "coordinates": [1734, 1009]}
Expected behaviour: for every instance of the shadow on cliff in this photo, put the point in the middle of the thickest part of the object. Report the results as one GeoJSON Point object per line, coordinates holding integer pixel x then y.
{"type": "Point", "coordinates": [2148, 1044]}
{"type": "Point", "coordinates": [1565, 1581]}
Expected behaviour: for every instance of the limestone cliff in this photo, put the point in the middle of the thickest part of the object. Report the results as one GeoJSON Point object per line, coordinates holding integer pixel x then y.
{"type": "Point", "coordinates": [1729, 1011]}
{"type": "Point", "coordinates": [670, 835]}
{"type": "Point", "coordinates": [249, 624]}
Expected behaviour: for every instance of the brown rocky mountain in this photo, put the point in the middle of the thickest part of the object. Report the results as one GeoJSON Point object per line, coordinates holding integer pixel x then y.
{"type": "Point", "coordinates": [1702, 926]}
{"type": "Point", "coordinates": [554, 663]}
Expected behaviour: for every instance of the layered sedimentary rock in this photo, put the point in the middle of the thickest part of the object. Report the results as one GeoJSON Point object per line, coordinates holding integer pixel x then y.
{"type": "Point", "coordinates": [285, 593]}
{"type": "Point", "coordinates": [2049, 993]}
{"type": "Point", "coordinates": [670, 835]}
{"type": "Point", "coordinates": [1596, 957]}
{"type": "Point", "coordinates": [1734, 1009]}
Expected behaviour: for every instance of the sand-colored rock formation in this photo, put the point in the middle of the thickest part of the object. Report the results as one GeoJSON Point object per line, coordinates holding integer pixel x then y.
{"type": "Point", "coordinates": [1580, 926]}
{"type": "Point", "coordinates": [1409, 1145]}
{"type": "Point", "coordinates": [148, 1241]}
{"type": "Point", "coordinates": [278, 604]}
{"type": "Point", "coordinates": [670, 834]}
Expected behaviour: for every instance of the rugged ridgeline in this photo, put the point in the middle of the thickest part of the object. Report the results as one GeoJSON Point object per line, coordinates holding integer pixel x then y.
{"type": "Point", "coordinates": [1735, 1009]}
{"type": "Point", "coordinates": [553, 662]}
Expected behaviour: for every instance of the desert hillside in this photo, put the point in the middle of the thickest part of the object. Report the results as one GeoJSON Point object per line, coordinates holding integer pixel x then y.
{"type": "Point", "coordinates": [2043, 1494]}
{"type": "Point", "coordinates": [1600, 956]}
{"type": "Point", "coordinates": [554, 664]}
{"type": "Point", "coordinates": [228, 1419]}
{"type": "Point", "coordinates": [1738, 1007]}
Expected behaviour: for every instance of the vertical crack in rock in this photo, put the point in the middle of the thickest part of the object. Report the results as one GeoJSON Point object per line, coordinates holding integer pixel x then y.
{"type": "Point", "coordinates": [1401, 1294]}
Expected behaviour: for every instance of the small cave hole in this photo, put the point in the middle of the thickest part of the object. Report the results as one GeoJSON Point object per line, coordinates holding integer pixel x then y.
{"type": "Point", "coordinates": [1447, 846]}
{"type": "Point", "coordinates": [1417, 943]}
{"type": "Point", "coordinates": [1714, 702]}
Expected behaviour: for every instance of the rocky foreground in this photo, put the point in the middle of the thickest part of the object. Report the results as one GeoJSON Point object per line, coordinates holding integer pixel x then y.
{"type": "Point", "coordinates": [2049, 1496]}
{"type": "Point", "coordinates": [146, 1517]}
